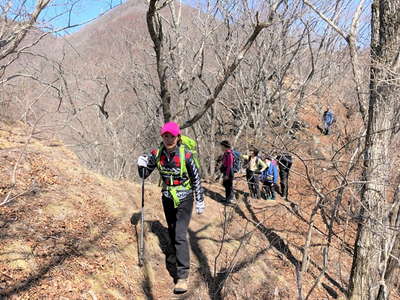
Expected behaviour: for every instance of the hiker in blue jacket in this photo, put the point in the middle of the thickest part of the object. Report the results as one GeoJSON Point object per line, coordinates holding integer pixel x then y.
{"type": "Point", "coordinates": [328, 119]}
{"type": "Point", "coordinates": [269, 178]}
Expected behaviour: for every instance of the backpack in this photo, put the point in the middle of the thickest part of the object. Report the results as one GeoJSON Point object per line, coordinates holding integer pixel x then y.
{"type": "Point", "coordinates": [285, 160]}
{"type": "Point", "coordinates": [329, 119]}
{"type": "Point", "coordinates": [191, 145]}
{"type": "Point", "coordinates": [237, 164]}
{"type": "Point", "coordinates": [265, 176]}
{"type": "Point", "coordinates": [188, 144]}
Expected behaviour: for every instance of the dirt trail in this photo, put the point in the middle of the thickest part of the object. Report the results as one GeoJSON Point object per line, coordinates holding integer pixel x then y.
{"type": "Point", "coordinates": [210, 267]}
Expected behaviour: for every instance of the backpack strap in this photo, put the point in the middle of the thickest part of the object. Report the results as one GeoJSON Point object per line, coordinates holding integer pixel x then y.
{"type": "Point", "coordinates": [158, 156]}
{"type": "Point", "coordinates": [183, 170]}
{"type": "Point", "coordinates": [182, 159]}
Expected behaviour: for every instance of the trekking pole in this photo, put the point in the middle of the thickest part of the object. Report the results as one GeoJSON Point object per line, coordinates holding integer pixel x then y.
{"type": "Point", "coordinates": [141, 238]}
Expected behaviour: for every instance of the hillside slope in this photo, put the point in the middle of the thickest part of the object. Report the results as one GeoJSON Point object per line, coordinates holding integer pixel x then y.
{"type": "Point", "coordinates": [66, 233]}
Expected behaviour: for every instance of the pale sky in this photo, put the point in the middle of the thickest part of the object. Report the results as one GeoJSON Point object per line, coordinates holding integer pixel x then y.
{"type": "Point", "coordinates": [59, 13]}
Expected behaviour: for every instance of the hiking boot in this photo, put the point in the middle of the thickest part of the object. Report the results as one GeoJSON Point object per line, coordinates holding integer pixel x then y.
{"type": "Point", "coordinates": [230, 203]}
{"type": "Point", "coordinates": [231, 200]}
{"type": "Point", "coordinates": [181, 286]}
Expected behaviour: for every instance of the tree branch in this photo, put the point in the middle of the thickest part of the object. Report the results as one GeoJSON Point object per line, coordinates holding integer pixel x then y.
{"type": "Point", "coordinates": [327, 20]}
{"type": "Point", "coordinates": [229, 71]}
{"type": "Point", "coordinates": [350, 38]}
{"type": "Point", "coordinates": [101, 107]}
{"type": "Point", "coordinates": [18, 35]}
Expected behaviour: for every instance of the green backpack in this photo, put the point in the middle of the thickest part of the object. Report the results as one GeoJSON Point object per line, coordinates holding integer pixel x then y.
{"type": "Point", "coordinates": [191, 145]}
{"type": "Point", "coordinates": [186, 143]}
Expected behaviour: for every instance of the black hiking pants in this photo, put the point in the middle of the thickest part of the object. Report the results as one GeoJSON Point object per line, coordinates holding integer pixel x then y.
{"type": "Point", "coordinates": [252, 181]}
{"type": "Point", "coordinates": [326, 129]}
{"type": "Point", "coordinates": [284, 181]}
{"type": "Point", "coordinates": [228, 185]}
{"type": "Point", "coordinates": [178, 222]}
{"type": "Point", "coordinates": [269, 190]}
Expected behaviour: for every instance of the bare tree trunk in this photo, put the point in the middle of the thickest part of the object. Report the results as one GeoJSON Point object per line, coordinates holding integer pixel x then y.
{"type": "Point", "coordinates": [393, 261]}
{"type": "Point", "coordinates": [213, 142]}
{"type": "Point", "coordinates": [155, 28]}
{"type": "Point", "coordinates": [372, 246]}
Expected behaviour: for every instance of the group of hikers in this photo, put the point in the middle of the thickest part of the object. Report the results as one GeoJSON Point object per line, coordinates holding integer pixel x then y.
{"type": "Point", "coordinates": [259, 168]}
{"type": "Point", "coordinates": [181, 186]}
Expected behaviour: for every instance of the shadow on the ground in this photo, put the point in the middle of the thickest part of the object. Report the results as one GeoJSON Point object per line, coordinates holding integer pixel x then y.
{"type": "Point", "coordinates": [321, 130]}
{"type": "Point", "coordinates": [215, 196]}
{"type": "Point", "coordinates": [215, 282]}
{"type": "Point", "coordinates": [277, 242]}
{"type": "Point", "coordinates": [274, 239]}
{"type": "Point", "coordinates": [163, 240]}
{"type": "Point", "coordinates": [72, 248]}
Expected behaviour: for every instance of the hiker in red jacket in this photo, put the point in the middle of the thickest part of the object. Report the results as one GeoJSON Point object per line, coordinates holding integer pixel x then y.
{"type": "Point", "coordinates": [227, 171]}
{"type": "Point", "coordinates": [181, 183]}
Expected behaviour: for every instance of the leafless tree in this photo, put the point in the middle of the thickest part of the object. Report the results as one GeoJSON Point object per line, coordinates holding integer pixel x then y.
{"type": "Point", "coordinates": [16, 22]}
{"type": "Point", "coordinates": [378, 214]}
{"type": "Point", "coordinates": [166, 72]}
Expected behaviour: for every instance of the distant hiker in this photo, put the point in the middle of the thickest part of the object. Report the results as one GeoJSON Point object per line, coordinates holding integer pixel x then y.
{"type": "Point", "coordinates": [328, 119]}
{"type": "Point", "coordinates": [227, 171]}
{"type": "Point", "coordinates": [181, 183]}
{"type": "Point", "coordinates": [284, 163]}
{"type": "Point", "coordinates": [269, 178]}
{"type": "Point", "coordinates": [255, 166]}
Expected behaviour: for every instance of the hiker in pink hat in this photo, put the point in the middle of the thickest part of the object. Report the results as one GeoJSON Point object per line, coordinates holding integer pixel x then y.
{"type": "Point", "coordinates": [172, 128]}
{"type": "Point", "coordinates": [181, 180]}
